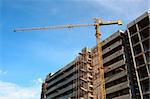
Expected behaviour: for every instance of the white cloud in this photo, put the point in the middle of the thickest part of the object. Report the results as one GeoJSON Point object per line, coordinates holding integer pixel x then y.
{"type": "Point", "coordinates": [10, 90]}
{"type": "Point", "coordinates": [39, 80]}
{"type": "Point", "coordinates": [3, 72]}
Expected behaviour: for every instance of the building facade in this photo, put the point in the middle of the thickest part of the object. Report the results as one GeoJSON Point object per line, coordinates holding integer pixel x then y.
{"type": "Point", "coordinates": [138, 32]}
{"type": "Point", "coordinates": [116, 80]}
{"type": "Point", "coordinates": [74, 81]}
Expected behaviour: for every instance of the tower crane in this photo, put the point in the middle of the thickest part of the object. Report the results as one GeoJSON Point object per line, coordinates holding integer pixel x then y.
{"type": "Point", "coordinates": [96, 24]}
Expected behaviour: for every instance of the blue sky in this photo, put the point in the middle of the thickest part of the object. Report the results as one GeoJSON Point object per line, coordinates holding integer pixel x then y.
{"type": "Point", "coordinates": [26, 57]}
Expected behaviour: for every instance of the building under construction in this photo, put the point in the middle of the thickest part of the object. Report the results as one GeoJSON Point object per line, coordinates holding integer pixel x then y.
{"type": "Point", "coordinates": [138, 50]}
{"type": "Point", "coordinates": [116, 82]}
{"type": "Point", "coordinates": [72, 81]}
{"type": "Point", "coordinates": [126, 59]}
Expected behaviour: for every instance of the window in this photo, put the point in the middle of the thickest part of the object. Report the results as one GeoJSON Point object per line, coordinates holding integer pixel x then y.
{"type": "Point", "coordinates": [132, 30]}
{"type": "Point", "coordinates": [146, 45]}
{"type": "Point", "coordinates": [144, 33]}
{"type": "Point", "coordinates": [137, 49]}
{"type": "Point", "coordinates": [143, 23]}
{"type": "Point", "coordinates": [142, 71]}
{"type": "Point", "coordinates": [135, 39]}
{"type": "Point", "coordinates": [139, 60]}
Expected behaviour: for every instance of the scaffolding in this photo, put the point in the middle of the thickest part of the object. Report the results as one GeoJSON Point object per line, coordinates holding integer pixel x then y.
{"type": "Point", "coordinates": [83, 82]}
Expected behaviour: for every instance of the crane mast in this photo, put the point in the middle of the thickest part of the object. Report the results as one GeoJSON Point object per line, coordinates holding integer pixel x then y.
{"type": "Point", "coordinates": [97, 24]}
{"type": "Point", "coordinates": [100, 61]}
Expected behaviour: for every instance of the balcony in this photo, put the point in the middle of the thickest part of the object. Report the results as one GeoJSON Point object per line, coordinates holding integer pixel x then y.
{"type": "Point", "coordinates": [117, 87]}
{"type": "Point", "coordinates": [116, 76]}
{"type": "Point", "coordinates": [112, 37]}
{"type": "Point", "coordinates": [113, 56]}
{"type": "Point", "coordinates": [70, 87]}
{"type": "Point", "coordinates": [61, 84]}
{"type": "Point", "coordinates": [111, 47]}
{"type": "Point", "coordinates": [123, 97]}
{"type": "Point", "coordinates": [61, 77]}
{"type": "Point", "coordinates": [114, 66]}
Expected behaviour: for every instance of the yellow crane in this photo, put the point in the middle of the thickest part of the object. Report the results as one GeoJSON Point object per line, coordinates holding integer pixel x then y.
{"type": "Point", "coordinates": [96, 24]}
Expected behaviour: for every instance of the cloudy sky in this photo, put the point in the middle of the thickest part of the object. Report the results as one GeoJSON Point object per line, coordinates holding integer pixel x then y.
{"type": "Point", "coordinates": [27, 57]}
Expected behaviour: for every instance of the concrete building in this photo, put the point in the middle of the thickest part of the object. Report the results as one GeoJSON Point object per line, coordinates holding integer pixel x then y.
{"type": "Point", "coordinates": [116, 81]}
{"type": "Point", "coordinates": [139, 57]}
{"type": "Point", "coordinates": [126, 58]}
{"type": "Point", "coordinates": [74, 81]}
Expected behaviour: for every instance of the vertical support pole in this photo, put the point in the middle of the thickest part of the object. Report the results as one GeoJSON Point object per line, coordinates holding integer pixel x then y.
{"type": "Point", "coordinates": [78, 83]}
{"type": "Point", "coordinates": [77, 79]}
{"type": "Point", "coordinates": [100, 62]}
